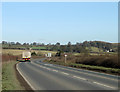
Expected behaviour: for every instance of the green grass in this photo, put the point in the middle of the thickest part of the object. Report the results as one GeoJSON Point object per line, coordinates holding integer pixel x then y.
{"type": "Point", "coordinates": [89, 67]}
{"type": "Point", "coordinates": [19, 46]}
{"type": "Point", "coordinates": [94, 49]}
{"type": "Point", "coordinates": [109, 70]}
{"type": "Point", "coordinates": [9, 80]}
{"type": "Point", "coordinates": [38, 47]}
{"type": "Point", "coordinates": [46, 52]}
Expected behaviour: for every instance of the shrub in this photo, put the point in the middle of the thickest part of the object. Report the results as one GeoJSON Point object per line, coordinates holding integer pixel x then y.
{"type": "Point", "coordinates": [33, 54]}
{"type": "Point", "coordinates": [110, 61]}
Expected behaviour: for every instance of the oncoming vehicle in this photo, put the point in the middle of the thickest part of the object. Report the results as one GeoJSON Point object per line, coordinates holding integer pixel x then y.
{"type": "Point", "coordinates": [26, 55]}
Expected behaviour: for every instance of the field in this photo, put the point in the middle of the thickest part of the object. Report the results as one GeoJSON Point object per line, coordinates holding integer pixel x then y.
{"type": "Point", "coordinates": [23, 47]}
{"type": "Point", "coordinates": [12, 52]}
{"type": "Point", "coordinates": [94, 49]}
{"type": "Point", "coordinates": [39, 48]}
{"type": "Point", "coordinates": [19, 52]}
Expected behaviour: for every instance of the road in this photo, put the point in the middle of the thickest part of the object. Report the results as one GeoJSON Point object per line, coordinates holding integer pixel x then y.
{"type": "Point", "coordinates": [44, 76]}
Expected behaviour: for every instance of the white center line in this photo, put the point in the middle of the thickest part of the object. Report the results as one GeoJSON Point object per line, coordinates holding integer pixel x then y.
{"type": "Point", "coordinates": [48, 68]}
{"type": "Point", "coordinates": [86, 73]}
{"type": "Point", "coordinates": [55, 70]}
{"type": "Point", "coordinates": [64, 73]}
{"type": "Point", "coordinates": [79, 78]}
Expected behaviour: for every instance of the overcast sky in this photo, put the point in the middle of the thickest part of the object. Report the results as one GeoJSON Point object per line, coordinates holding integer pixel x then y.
{"type": "Point", "coordinates": [60, 22]}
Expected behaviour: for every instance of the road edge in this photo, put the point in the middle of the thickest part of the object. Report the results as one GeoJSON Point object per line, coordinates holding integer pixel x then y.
{"type": "Point", "coordinates": [23, 82]}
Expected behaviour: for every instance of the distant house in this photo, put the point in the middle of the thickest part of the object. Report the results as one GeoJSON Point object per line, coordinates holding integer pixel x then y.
{"type": "Point", "coordinates": [107, 51]}
{"type": "Point", "coordinates": [111, 50]}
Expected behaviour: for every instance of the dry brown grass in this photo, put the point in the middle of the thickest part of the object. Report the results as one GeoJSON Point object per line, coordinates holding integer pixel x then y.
{"type": "Point", "coordinates": [107, 60]}
{"type": "Point", "coordinates": [12, 52]}
{"type": "Point", "coordinates": [19, 52]}
{"type": "Point", "coordinates": [8, 58]}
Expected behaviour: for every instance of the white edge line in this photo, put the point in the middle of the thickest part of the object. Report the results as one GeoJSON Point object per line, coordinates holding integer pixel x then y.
{"type": "Point", "coordinates": [91, 74]}
{"type": "Point", "coordinates": [24, 78]}
{"type": "Point", "coordinates": [55, 70]}
{"type": "Point", "coordinates": [104, 85]}
{"type": "Point", "coordinates": [82, 78]}
{"type": "Point", "coordinates": [45, 67]}
{"type": "Point", "coordinates": [79, 78]}
{"type": "Point", "coordinates": [98, 73]}
{"type": "Point", "coordinates": [64, 73]}
{"type": "Point", "coordinates": [48, 68]}
{"type": "Point", "coordinates": [88, 71]}
{"type": "Point", "coordinates": [95, 82]}
{"type": "Point", "coordinates": [67, 68]}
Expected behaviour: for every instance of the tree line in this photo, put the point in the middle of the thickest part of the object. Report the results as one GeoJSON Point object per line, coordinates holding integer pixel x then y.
{"type": "Point", "coordinates": [69, 47]}
{"type": "Point", "coordinates": [24, 44]}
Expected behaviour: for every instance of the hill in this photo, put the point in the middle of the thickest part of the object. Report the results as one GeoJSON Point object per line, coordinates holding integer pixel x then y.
{"type": "Point", "coordinates": [86, 46]}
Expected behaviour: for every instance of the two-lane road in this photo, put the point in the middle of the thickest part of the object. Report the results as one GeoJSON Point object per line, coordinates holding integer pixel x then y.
{"type": "Point", "coordinates": [45, 76]}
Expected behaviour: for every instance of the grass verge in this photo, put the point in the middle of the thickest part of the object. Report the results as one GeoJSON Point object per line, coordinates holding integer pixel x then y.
{"type": "Point", "coordinates": [114, 71]}
{"type": "Point", "coordinates": [9, 79]}
{"type": "Point", "coordinates": [96, 68]}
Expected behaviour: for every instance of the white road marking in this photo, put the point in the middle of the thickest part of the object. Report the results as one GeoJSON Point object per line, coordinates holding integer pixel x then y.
{"type": "Point", "coordinates": [24, 77]}
{"type": "Point", "coordinates": [104, 85]}
{"type": "Point", "coordinates": [48, 68]}
{"type": "Point", "coordinates": [55, 70]}
{"type": "Point", "coordinates": [43, 67]}
{"type": "Point", "coordinates": [86, 73]}
{"type": "Point", "coordinates": [48, 64]}
{"type": "Point", "coordinates": [65, 73]}
{"type": "Point", "coordinates": [79, 77]}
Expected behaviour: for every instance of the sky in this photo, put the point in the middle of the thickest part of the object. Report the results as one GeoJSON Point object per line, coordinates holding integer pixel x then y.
{"type": "Point", "coordinates": [50, 22]}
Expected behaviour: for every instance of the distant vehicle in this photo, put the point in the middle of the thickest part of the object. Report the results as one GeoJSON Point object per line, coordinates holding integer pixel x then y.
{"type": "Point", "coordinates": [26, 56]}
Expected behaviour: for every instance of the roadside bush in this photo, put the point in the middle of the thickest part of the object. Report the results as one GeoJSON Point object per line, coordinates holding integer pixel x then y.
{"type": "Point", "coordinates": [110, 61]}
{"type": "Point", "coordinates": [106, 61]}
{"type": "Point", "coordinates": [9, 57]}
{"type": "Point", "coordinates": [39, 54]}
{"type": "Point", "coordinates": [33, 54]}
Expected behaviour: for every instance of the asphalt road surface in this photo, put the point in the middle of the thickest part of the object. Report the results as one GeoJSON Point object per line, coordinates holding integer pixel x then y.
{"type": "Point", "coordinates": [44, 76]}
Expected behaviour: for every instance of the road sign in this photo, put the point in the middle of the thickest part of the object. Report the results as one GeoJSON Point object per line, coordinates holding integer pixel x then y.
{"type": "Point", "coordinates": [49, 54]}
{"type": "Point", "coordinates": [45, 55]}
